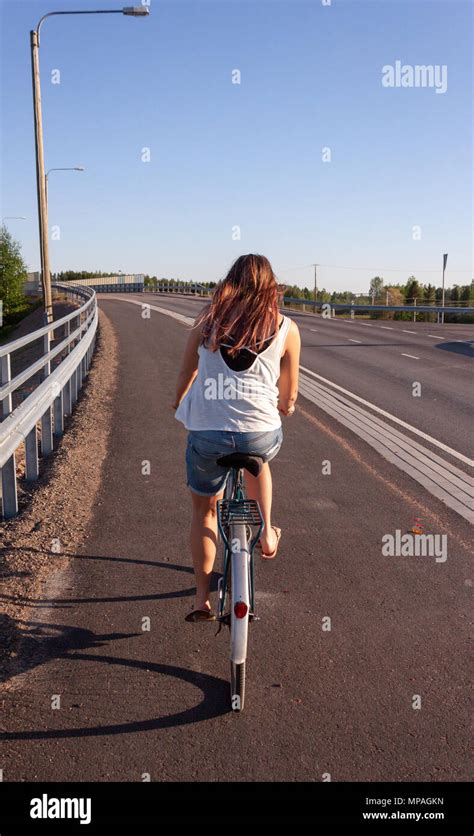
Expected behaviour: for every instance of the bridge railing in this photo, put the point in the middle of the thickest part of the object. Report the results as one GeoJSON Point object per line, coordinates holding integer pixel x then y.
{"type": "Point", "coordinates": [329, 308]}
{"type": "Point", "coordinates": [185, 288]}
{"type": "Point", "coordinates": [356, 306]}
{"type": "Point", "coordinates": [55, 377]}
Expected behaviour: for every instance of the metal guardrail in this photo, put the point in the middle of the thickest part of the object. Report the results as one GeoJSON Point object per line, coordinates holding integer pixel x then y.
{"type": "Point", "coordinates": [349, 306]}
{"type": "Point", "coordinates": [183, 288]}
{"type": "Point", "coordinates": [54, 397]}
{"type": "Point", "coordinates": [192, 288]}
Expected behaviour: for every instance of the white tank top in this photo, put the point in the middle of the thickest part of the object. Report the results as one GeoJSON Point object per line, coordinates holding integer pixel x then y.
{"type": "Point", "coordinates": [237, 401]}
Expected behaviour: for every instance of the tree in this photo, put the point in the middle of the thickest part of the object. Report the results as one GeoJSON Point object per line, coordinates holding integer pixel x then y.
{"type": "Point", "coordinates": [324, 295]}
{"type": "Point", "coordinates": [395, 297]}
{"type": "Point", "coordinates": [429, 293]}
{"type": "Point", "coordinates": [13, 272]}
{"type": "Point", "coordinates": [412, 291]}
{"type": "Point", "coordinates": [376, 286]}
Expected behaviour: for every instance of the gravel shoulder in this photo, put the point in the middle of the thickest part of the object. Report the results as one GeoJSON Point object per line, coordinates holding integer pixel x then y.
{"type": "Point", "coordinates": [34, 546]}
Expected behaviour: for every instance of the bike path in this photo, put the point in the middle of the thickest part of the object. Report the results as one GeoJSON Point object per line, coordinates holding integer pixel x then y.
{"type": "Point", "coordinates": [155, 702]}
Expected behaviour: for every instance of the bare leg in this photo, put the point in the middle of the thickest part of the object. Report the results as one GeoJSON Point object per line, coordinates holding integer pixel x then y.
{"type": "Point", "coordinates": [260, 488]}
{"type": "Point", "coordinates": [203, 544]}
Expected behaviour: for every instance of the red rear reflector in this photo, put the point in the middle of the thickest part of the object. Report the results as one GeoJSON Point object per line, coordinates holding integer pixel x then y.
{"type": "Point", "coordinates": [240, 609]}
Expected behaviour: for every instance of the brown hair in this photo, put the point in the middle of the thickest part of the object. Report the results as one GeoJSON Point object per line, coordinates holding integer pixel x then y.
{"type": "Point", "coordinates": [244, 306]}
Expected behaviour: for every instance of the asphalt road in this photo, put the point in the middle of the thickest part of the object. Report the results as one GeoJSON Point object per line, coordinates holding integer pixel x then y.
{"type": "Point", "coordinates": [380, 361]}
{"type": "Point", "coordinates": [336, 701]}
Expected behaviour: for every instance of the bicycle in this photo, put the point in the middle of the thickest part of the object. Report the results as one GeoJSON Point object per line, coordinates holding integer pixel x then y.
{"type": "Point", "coordinates": [238, 520]}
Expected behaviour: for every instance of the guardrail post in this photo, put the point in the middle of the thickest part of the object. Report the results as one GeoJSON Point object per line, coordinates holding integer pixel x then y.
{"type": "Point", "coordinates": [59, 415]}
{"type": "Point", "coordinates": [47, 419]}
{"type": "Point", "coordinates": [31, 450]}
{"type": "Point", "coordinates": [74, 387]}
{"type": "Point", "coordinates": [67, 400]}
{"type": "Point", "coordinates": [9, 491]}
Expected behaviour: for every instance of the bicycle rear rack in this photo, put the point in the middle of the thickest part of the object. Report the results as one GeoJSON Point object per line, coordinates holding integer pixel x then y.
{"type": "Point", "coordinates": [246, 511]}
{"type": "Point", "coordinates": [239, 511]}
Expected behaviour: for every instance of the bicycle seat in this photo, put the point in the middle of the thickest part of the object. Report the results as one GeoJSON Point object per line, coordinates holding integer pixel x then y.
{"type": "Point", "coordinates": [251, 463]}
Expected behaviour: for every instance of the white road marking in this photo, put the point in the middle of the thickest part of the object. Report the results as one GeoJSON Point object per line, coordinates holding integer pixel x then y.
{"type": "Point", "coordinates": [186, 320]}
{"type": "Point", "coordinates": [435, 337]}
{"type": "Point", "coordinates": [393, 418]}
{"type": "Point", "coordinates": [365, 324]}
{"type": "Point", "coordinates": [314, 329]}
{"type": "Point", "coordinates": [410, 355]}
{"type": "Point", "coordinates": [409, 332]}
{"type": "Point", "coordinates": [386, 328]}
{"type": "Point", "coordinates": [437, 475]}
{"type": "Point", "coordinates": [354, 341]}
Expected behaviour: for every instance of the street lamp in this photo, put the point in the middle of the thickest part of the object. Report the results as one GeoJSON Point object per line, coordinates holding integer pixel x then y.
{"type": "Point", "coordinates": [73, 168]}
{"type": "Point", "coordinates": [14, 218]}
{"type": "Point", "coordinates": [134, 11]}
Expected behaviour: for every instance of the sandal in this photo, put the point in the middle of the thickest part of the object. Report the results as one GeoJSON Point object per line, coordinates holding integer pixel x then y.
{"type": "Point", "coordinates": [273, 553]}
{"type": "Point", "coordinates": [200, 615]}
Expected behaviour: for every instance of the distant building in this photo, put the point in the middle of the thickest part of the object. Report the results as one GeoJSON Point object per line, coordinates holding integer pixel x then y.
{"type": "Point", "coordinates": [123, 283]}
{"type": "Point", "coordinates": [32, 286]}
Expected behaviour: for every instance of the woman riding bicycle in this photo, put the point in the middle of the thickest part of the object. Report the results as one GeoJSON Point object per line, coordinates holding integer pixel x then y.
{"type": "Point", "coordinates": [238, 376]}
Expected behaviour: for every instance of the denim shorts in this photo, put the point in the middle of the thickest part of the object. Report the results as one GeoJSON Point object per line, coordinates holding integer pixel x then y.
{"type": "Point", "coordinates": [204, 475]}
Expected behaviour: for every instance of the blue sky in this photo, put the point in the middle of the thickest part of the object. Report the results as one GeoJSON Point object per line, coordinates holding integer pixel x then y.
{"type": "Point", "coordinates": [249, 154]}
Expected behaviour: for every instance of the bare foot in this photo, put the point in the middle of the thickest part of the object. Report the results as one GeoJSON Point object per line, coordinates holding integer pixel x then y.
{"type": "Point", "coordinates": [199, 605]}
{"type": "Point", "coordinates": [269, 542]}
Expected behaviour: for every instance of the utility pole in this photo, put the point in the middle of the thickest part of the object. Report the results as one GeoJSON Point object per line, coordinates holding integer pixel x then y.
{"type": "Point", "coordinates": [315, 285]}
{"type": "Point", "coordinates": [445, 261]}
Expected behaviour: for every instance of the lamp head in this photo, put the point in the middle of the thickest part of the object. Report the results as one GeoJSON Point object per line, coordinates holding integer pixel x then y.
{"type": "Point", "coordinates": [136, 11]}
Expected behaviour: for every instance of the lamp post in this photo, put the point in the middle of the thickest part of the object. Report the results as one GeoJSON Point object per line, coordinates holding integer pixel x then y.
{"type": "Point", "coordinates": [14, 218]}
{"type": "Point", "coordinates": [73, 168]}
{"type": "Point", "coordinates": [138, 11]}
